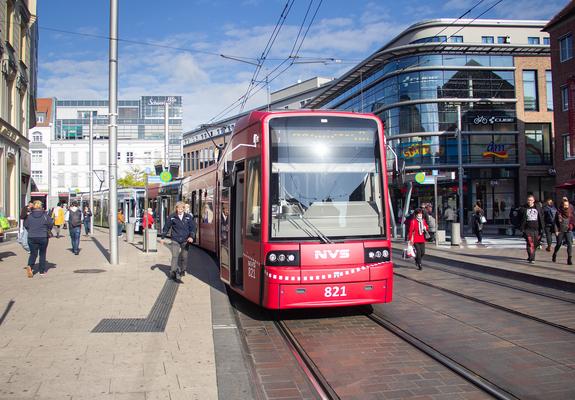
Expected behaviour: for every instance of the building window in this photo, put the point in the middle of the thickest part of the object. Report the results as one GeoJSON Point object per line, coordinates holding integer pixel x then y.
{"type": "Point", "coordinates": [546, 41]}
{"type": "Point", "coordinates": [530, 90]}
{"type": "Point", "coordinates": [533, 40]}
{"type": "Point", "coordinates": [549, 89]}
{"type": "Point", "coordinates": [566, 48]}
{"type": "Point", "coordinates": [37, 136]}
{"type": "Point", "coordinates": [503, 39]}
{"type": "Point", "coordinates": [38, 176]}
{"type": "Point", "coordinates": [74, 182]}
{"type": "Point", "coordinates": [74, 158]}
{"type": "Point", "coordinates": [565, 98]}
{"type": "Point", "coordinates": [487, 39]}
{"type": "Point", "coordinates": [61, 158]}
{"type": "Point", "coordinates": [538, 144]}
{"type": "Point", "coordinates": [129, 157]}
{"type": "Point", "coordinates": [37, 155]}
{"type": "Point", "coordinates": [60, 180]}
{"type": "Point", "coordinates": [456, 39]}
{"type": "Point", "coordinates": [567, 154]}
{"type": "Point", "coordinates": [193, 162]}
{"type": "Point", "coordinates": [40, 117]}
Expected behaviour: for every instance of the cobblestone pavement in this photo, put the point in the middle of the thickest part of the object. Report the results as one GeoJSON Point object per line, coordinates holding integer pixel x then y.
{"type": "Point", "coordinates": [47, 346]}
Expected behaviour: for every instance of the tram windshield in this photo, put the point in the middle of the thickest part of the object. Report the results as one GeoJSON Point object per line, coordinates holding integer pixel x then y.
{"type": "Point", "coordinates": [325, 178]}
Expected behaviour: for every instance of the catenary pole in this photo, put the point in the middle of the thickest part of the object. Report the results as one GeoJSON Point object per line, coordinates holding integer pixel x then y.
{"type": "Point", "coordinates": [91, 173]}
{"type": "Point", "coordinates": [166, 134]}
{"type": "Point", "coordinates": [460, 168]}
{"type": "Point", "coordinates": [113, 140]}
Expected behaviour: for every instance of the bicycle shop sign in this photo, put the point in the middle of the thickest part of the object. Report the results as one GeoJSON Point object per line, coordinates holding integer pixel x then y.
{"type": "Point", "coordinates": [484, 120]}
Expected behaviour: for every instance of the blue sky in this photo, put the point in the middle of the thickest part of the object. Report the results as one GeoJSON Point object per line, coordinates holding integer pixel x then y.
{"type": "Point", "coordinates": [76, 67]}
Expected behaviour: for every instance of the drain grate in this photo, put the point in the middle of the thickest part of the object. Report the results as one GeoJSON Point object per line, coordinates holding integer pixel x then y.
{"type": "Point", "coordinates": [89, 271]}
{"type": "Point", "coordinates": [156, 320]}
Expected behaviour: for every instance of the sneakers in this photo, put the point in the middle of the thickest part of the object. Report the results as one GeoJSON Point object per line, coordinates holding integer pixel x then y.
{"type": "Point", "coordinates": [29, 272]}
{"type": "Point", "coordinates": [43, 273]}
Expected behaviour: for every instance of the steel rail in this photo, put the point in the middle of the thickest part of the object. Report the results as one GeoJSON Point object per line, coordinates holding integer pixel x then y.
{"type": "Point", "coordinates": [312, 372]}
{"type": "Point", "coordinates": [494, 282]}
{"type": "Point", "coordinates": [489, 304]}
{"type": "Point", "coordinates": [457, 368]}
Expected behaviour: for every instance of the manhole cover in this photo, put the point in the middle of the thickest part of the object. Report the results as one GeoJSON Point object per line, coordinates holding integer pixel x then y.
{"type": "Point", "coordinates": [89, 271]}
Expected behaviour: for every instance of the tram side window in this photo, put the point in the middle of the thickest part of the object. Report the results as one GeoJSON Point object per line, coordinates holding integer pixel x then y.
{"type": "Point", "coordinates": [253, 200]}
{"type": "Point", "coordinates": [208, 206]}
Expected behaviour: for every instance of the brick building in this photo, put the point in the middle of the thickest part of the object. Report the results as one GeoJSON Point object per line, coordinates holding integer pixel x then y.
{"type": "Point", "coordinates": [561, 30]}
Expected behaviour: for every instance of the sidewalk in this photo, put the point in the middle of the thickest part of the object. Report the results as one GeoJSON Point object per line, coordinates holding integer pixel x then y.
{"type": "Point", "coordinates": [50, 348]}
{"type": "Point", "coordinates": [505, 256]}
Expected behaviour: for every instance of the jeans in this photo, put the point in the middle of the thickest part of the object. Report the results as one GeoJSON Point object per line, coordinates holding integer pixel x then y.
{"type": "Point", "coordinates": [87, 226]}
{"type": "Point", "coordinates": [179, 257]}
{"type": "Point", "coordinates": [38, 245]}
{"type": "Point", "coordinates": [419, 252]}
{"type": "Point", "coordinates": [549, 232]}
{"type": "Point", "coordinates": [532, 239]}
{"type": "Point", "coordinates": [75, 238]}
{"type": "Point", "coordinates": [567, 239]}
{"type": "Point", "coordinates": [57, 228]}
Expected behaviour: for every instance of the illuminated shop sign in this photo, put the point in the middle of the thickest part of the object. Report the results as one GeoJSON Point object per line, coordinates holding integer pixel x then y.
{"type": "Point", "coordinates": [484, 120]}
{"type": "Point", "coordinates": [495, 150]}
{"type": "Point", "coordinates": [417, 149]}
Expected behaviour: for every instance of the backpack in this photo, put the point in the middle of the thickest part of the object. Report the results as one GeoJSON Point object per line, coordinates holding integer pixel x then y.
{"type": "Point", "coordinates": [549, 215]}
{"type": "Point", "coordinates": [76, 219]}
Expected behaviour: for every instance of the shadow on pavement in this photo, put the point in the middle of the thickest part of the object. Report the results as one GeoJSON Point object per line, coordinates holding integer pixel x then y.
{"type": "Point", "coordinates": [6, 311]}
{"type": "Point", "coordinates": [6, 254]}
{"type": "Point", "coordinates": [164, 268]}
{"type": "Point", "coordinates": [102, 249]}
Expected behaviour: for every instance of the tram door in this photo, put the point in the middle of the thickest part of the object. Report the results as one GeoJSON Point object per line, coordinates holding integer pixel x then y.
{"type": "Point", "coordinates": [224, 236]}
{"type": "Point", "coordinates": [237, 218]}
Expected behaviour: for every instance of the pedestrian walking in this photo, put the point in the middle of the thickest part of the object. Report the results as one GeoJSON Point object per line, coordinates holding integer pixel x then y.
{"type": "Point", "coordinates": [65, 208]}
{"type": "Point", "coordinates": [148, 219]}
{"type": "Point", "coordinates": [87, 220]}
{"type": "Point", "coordinates": [75, 226]}
{"type": "Point", "coordinates": [549, 212]}
{"type": "Point", "coordinates": [59, 217]}
{"type": "Point", "coordinates": [565, 225]}
{"type": "Point", "coordinates": [39, 226]}
{"type": "Point", "coordinates": [121, 221]}
{"type": "Point", "coordinates": [416, 235]}
{"type": "Point", "coordinates": [532, 227]}
{"type": "Point", "coordinates": [449, 217]}
{"type": "Point", "coordinates": [183, 231]}
{"type": "Point", "coordinates": [431, 223]}
{"type": "Point", "coordinates": [477, 221]}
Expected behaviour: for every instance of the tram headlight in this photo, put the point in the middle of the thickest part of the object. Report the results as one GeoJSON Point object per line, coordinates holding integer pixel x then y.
{"type": "Point", "coordinates": [289, 258]}
{"type": "Point", "coordinates": [375, 255]}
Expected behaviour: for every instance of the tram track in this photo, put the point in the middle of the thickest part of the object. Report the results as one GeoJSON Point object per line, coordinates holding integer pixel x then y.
{"type": "Point", "coordinates": [489, 304]}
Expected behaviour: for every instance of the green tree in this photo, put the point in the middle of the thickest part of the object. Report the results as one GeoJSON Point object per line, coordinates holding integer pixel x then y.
{"type": "Point", "coordinates": [133, 178]}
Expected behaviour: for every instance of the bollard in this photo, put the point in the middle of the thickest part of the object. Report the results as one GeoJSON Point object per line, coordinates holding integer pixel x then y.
{"type": "Point", "coordinates": [455, 234]}
{"type": "Point", "coordinates": [440, 234]}
{"type": "Point", "coordinates": [151, 238]}
{"type": "Point", "coordinates": [130, 232]}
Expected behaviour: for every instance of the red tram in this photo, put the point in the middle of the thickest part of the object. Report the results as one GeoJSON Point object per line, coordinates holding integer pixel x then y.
{"type": "Point", "coordinates": [295, 210]}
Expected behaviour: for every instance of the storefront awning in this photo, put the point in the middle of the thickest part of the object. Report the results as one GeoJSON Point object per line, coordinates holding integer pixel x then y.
{"type": "Point", "coordinates": [570, 184]}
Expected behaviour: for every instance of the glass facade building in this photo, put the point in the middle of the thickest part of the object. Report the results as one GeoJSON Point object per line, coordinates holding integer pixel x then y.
{"type": "Point", "coordinates": [415, 85]}
{"type": "Point", "coordinates": [137, 120]}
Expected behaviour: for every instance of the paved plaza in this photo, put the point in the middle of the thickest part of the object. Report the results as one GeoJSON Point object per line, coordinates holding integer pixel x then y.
{"type": "Point", "coordinates": [148, 348]}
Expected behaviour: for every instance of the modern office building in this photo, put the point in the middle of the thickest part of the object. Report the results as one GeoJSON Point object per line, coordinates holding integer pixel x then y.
{"type": "Point", "coordinates": [200, 144]}
{"type": "Point", "coordinates": [141, 141]}
{"type": "Point", "coordinates": [18, 60]}
{"type": "Point", "coordinates": [561, 30]}
{"type": "Point", "coordinates": [498, 72]}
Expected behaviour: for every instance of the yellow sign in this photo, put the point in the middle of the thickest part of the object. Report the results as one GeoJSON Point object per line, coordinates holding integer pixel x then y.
{"type": "Point", "coordinates": [166, 176]}
{"type": "Point", "coordinates": [420, 177]}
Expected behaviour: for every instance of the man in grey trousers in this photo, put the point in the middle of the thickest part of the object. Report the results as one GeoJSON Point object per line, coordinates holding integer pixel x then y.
{"type": "Point", "coordinates": [183, 231]}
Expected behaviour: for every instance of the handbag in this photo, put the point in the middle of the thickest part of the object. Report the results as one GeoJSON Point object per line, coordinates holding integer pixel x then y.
{"type": "Point", "coordinates": [483, 220]}
{"type": "Point", "coordinates": [409, 251]}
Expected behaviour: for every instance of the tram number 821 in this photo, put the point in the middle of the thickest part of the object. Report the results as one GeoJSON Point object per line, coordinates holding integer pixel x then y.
{"type": "Point", "coordinates": [334, 291]}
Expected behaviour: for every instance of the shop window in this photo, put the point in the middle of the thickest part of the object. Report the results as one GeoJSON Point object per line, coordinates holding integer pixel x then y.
{"type": "Point", "coordinates": [538, 144]}
{"type": "Point", "coordinates": [549, 89]}
{"type": "Point", "coordinates": [531, 101]}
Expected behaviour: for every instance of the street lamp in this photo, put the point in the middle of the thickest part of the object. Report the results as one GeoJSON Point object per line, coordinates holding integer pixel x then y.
{"type": "Point", "coordinates": [460, 168]}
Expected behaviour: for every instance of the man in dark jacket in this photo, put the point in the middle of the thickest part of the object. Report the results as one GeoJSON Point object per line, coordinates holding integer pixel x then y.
{"type": "Point", "coordinates": [183, 232]}
{"type": "Point", "coordinates": [549, 212]}
{"type": "Point", "coordinates": [532, 227]}
{"type": "Point", "coordinates": [38, 224]}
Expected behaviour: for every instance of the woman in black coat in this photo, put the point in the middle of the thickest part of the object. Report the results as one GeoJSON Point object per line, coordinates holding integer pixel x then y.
{"type": "Point", "coordinates": [39, 226]}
